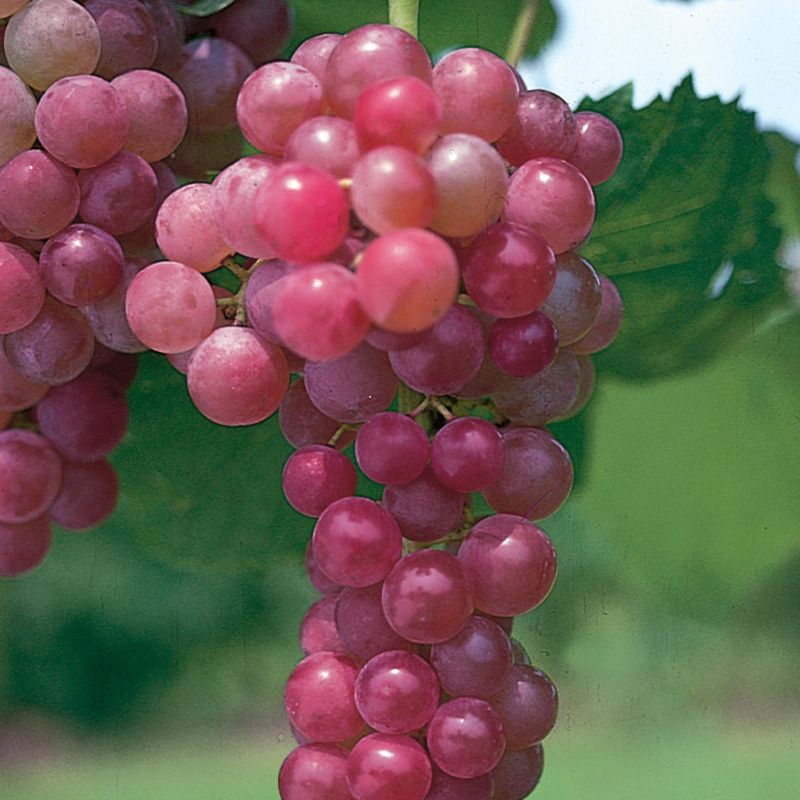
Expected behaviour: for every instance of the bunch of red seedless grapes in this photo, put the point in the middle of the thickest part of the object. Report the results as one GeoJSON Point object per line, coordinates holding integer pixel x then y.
{"type": "Point", "coordinates": [405, 243]}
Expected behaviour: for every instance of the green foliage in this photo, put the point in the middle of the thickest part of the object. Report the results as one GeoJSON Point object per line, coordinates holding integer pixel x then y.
{"type": "Point", "coordinates": [443, 24]}
{"type": "Point", "coordinates": [685, 229]}
{"type": "Point", "coordinates": [205, 8]}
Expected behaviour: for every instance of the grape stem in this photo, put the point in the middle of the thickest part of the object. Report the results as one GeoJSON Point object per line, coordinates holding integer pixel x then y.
{"type": "Point", "coordinates": [521, 35]}
{"type": "Point", "coordinates": [441, 408]}
{"type": "Point", "coordinates": [405, 14]}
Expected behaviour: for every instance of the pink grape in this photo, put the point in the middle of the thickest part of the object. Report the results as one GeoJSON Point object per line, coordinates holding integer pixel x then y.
{"type": "Point", "coordinates": [467, 454]}
{"type": "Point", "coordinates": [260, 295]}
{"type": "Point", "coordinates": [21, 288]}
{"type": "Point", "coordinates": [407, 280]}
{"type": "Point", "coordinates": [478, 92]}
{"type": "Point", "coordinates": [471, 184]}
{"type": "Point", "coordinates": [170, 32]}
{"type": "Point", "coordinates": [17, 114]}
{"type": "Point", "coordinates": [157, 113]}
{"type": "Point", "coordinates": [511, 562]}
{"type": "Point", "coordinates": [449, 356]}
{"type": "Point", "coordinates": [38, 195]}
{"type": "Point", "coordinates": [543, 126]}
{"type": "Point", "coordinates": [536, 477]}
{"type": "Point", "coordinates": [403, 112]}
{"type": "Point", "coordinates": [315, 476]}
{"type": "Point", "coordinates": [319, 698]}
{"type": "Point", "coordinates": [315, 770]}
{"type": "Point", "coordinates": [313, 53]}
{"type": "Point", "coordinates": [170, 307]}
{"type": "Point", "coordinates": [319, 580]}
{"type": "Point", "coordinates": [388, 341]}
{"type": "Point", "coordinates": [325, 142]}
{"type": "Point", "coordinates": [361, 623]}
{"type": "Point", "coordinates": [576, 297]}
{"type": "Point", "coordinates": [383, 766]}
{"type": "Point", "coordinates": [181, 360]}
{"type": "Point", "coordinates": [119, 195]}
{"type": "Point", "coordinates": [187, 231]}
{"type": "Point", "coordinates": [598, 150]}
{"type": "Point", "coordinates": [446, 787]}
{"type": "Point", "coordinates": [356, 542]}
{"type": "Point", "coordinates": [553, 199]}
{"type": "Point", "coordinates": [476, 661]}
{"type": "Point", "coordinates": [368, 55]}
{"type": "Point", "coordinates": [86, 418]}
{"type": "Point", "coordinates": [527, 702]}
{"type": "Point", "coordinates": [465, 737]}
{"type": "Point", "coordinates": [127, 36]}
{"type": "Point", "coordinates": [302, 423]}
{"type": "Point", "coordinates": [274, 101]}
{"type": "Point", "coordinates": [23, 547]}
{"type": "Point", "coordinates": [49, 39]}
{"type": "Point", "coordinates": [88, 495]}
{"type": "Point", "coordinates": [518, 773]}
{"type": "Point", "coordinates": [523, 346]}
{"type": "Point", "coordinates": [30, 476]}
{"type": "Point", "coordinates": [315, 311]}
{"type": "Point", "coordinates": [607, 324]}
{"type": "Point", "coordinates": [318, 628]}
{"type": "Point", "coordinates": [237, 378]}
{"type": "Point", "coordinates": [55, 348]}
{"type": "Point", "coordinates": [396, 692]}
{"type": "Point", "coordinates": [427, 597]}
{"type": "Point", "coordinates": [260, 27]}
{"type": "Point", "coordinates": [302, 212]}
{"type": "Point", "coordinates": [392, 448]}
{"type": "Point", "coordinates": [424, 508]}
{"type": "Point", "coordinates": [210, 74]}
{"type": "Point", "coordinates": [16, 391]}
{"type": "Point", "coordinates": [543, 397]}
{"type": "Point", "coordinates": [508, 270]}
{"type": "Point", "coordinates": [10, 7]}
{"type": "Point", "coordinates": [352, 388]}
{"type": "Point", "coordinates": [392, 188]}
{"type": "Point", "coordinates": [82, 265]}
{"type": "Point", "coordinates": [234, 204]}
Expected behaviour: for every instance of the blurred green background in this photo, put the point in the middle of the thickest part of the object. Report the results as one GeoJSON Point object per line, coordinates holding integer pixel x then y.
{"type": "Point", "coordinates": [146, 659]}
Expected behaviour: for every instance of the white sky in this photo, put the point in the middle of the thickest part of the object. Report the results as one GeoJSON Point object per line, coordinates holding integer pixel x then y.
{"type": "Point", "coordinates": [750, 47]}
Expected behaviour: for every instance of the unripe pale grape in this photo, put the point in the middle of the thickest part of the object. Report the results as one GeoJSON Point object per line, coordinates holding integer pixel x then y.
{"type": "Point", "coordinates": [315, 770]}
{"type": "Point", "coordinates": [274, 101]}
{"type": "Point", "coordinates": [553, 199]}
{"type": "Point", "coordinates": [319, 698]}
{"type": "Point", "coordinates": [383, 766]}
{"type": "Point", "coordinates": [128, 37]}
{"type": "Point", "coordinates": [237, 378]}
{"type": "Point", "coordinates": [575, 299]}
{"type": "Point", "coordinates": [23, 547]}
{"type": "Point", "coordinates": [157, 113]}
{"type": "Point", "coordinates": [427, 597]}
{"type": "Point", "coordinates": [471, 184]}
{"type": "Point", "coordinates": [407, 280]}
{"type": "Point", "coordinates": [88, 495]}
{"type": "Point", "coordinates": [21, 288]}
{"type": "Point", "coordinates": [478, 92]}
{"type": "Point", "coordinates": [17, 113]}
{"type": "Point", "coordinates": [392, 448]}
{"type": "Point", "coordinates": [38, 195]}
{"type": "Point", "coordinates": [50, 39]}
{"type": "Point", "coordinates": [465, 737]}
{"type": "Point", "coordinates": [315, 476]}
{"type": "Point", "coordinates": [598, 150]}
{"type": "Point", "coordinates": [607, 324]}
{"type": "Point", "coordinates": [368, 55]}
{"type": "Point", "coordinates": [30, 476]}
{"type": "Point", "coordinates": [170, 307]}
{"type": "Point", "coordinates": [356, 542]}
{"type": "Point", "coordinates": [511, 562]}
{"type": "Point", "coordinates": [392, 188]}
{"type": "Point", "coordinates": [187, 231]}
{"type": "Point", "coordinates": [467, 454]}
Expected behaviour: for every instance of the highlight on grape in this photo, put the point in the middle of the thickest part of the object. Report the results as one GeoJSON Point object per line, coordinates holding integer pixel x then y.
{"type": "Point", "coordinates": [411, 303]}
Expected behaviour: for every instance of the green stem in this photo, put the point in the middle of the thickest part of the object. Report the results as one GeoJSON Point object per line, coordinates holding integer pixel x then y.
{"type": "Point", "coordinates": [521, 35]}
{"type": "Point", "coordinates": [405, 14]}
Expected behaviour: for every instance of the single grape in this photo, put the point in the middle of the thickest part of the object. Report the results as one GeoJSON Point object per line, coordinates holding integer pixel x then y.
{"type": "Point", "coordinates": [467, 454]}
{"type": "Point", "coordinates": [388, 341]}
{"type": "Point", "coordinates": [511, 562]}
{"type": "Point", "coordinates": [302, 423]}
{"type": "Point", "coordinates": [21, 288]}
{"type": "Point", "coordinates": [260, 295]}
{"type": "Point", "coordinates": [465, 737]}
{"type": "Point", "coordinates": [88, 495]}
{"type": "Point", "coordinates": [356, 542]}
{"type": "Point", "coordinates": [328, 143]}
{"type": "Point", "coordinates": [392, 448]}
{"type": "Point", "coordinates": [260, 27]}
{"type": "Point", "coordinates": [446, 787]}
{"type": "Point", "coordinates": [517, 773]}
{"type": "Point", "coordinates": [316, 771]}
{"type": "Point", "coordinates": [586, 381]}
{"type": "Point", "coordinates": [383, 766]}
{"type": "Point", "coordinates": [321, 582]}
{"type": "Point", "coordinates": [128, 37]}
{"type": "Point", "coordinates": [315, 476]}
{"type": "Point", "coordinates": [318, 628]}
{"type": "Point", "coordinates": [23, 547]}
{"type": "Point", "coordinates": [170, 32]}
{"type": "Point", "coordinates": [598, 150]}
{"type": "Point", "coordinates": [607, 324]}
{"type": "Point", "coordinates": [313, 53]}
{"type": "Point", "coordinates": [523, 346]}
{"type": "Point", "coordinates": [16, 391]}
{"type": "Point", "coordinates": [17, 114]}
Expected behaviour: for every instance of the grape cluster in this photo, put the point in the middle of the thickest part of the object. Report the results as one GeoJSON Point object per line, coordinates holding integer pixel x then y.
{"type": "Point", "coordinates": [95, 98]}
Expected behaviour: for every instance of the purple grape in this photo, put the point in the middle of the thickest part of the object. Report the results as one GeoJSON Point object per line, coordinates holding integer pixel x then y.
{"type": "Point", "coordinates": [319, 580]}
{"type": "Point", "coordinates": [517, 774]}
{"type": "Point", "coordinates": [21, 288]}
{"type": "Point", "coordinates": [315, 476]}
{"type": "Point", "coordinates": [318, 628]}
{"type": "Point", "coordinates": [392, 448]}
{"type": "Point", "coordinates": [23, 547]}
{"type": "Point", "coordinates": [523, 346]}
{"type": "Point", "coordinates": [302, 423]}
{"type": "Point", "coordinates": [446, 787]}
{"type": "Point", "coordinates": [467, 454]}
{"type": "Point", "coordinates": [88, 495]}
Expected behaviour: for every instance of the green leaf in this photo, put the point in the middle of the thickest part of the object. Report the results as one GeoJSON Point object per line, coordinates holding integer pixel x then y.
{"type": "Point", "coordinates": [443, 24]}
{"type": "Point", "coordinates": [783, 182]}
{"type": "Point", "coordinates": [204, 8]}
{"type": "Point", "coordinates": [685, 229]}
{"type": "Point", "coordinates": [198, 494]}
